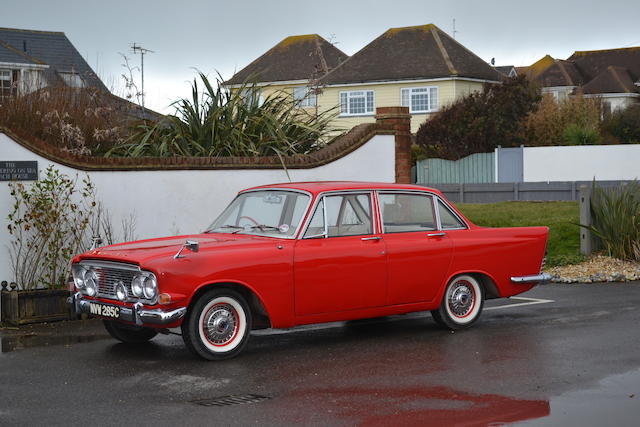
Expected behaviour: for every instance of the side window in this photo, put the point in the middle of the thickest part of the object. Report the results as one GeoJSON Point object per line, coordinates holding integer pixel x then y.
{"type": "Point", "coordinates": [447, 219]}
{"type": "Point", "coordinates": [407, 212]}
{"type": "Point", "coordinates": [347, 215]}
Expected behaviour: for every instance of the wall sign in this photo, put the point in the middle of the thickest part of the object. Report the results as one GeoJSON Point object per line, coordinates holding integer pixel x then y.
{"type": "Point", "coordinates": [19, 171]}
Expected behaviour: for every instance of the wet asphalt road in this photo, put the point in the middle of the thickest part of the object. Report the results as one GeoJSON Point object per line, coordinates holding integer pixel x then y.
{"type": "Point", "coordinates": [573, 361]}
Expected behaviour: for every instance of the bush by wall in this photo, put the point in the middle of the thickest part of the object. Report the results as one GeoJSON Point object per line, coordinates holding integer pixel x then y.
{"type": "Point", "coordinates": [624, 125]}
{"type": "Point", "coordinates": [480, 121]}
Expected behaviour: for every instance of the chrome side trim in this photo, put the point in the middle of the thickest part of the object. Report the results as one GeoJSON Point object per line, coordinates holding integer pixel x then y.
{"type": "Point", "coordinates": [541, 278]}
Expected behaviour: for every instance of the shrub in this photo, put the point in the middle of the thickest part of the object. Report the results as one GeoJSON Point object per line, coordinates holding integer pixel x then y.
{"type": "Point", "coordinates": [575, 134]}
{"type": "Point", "coordinates": [81, 121]}
{"type": "Point", "coordinates": [480, 121]}
{"type": "Point", "coordinates": [615, 214]}
{"type": "Point", "coordinates": [218, 122]}
{"type": "Point", "coordinates": [573, 121]}
{"type": "Point", "coordinates": [49, 223]}
{"type": "Point", "coordinates": [624, 124]}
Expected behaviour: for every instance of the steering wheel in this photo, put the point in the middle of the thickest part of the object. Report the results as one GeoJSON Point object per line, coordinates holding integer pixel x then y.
{"type": "Point", "coordinates": [252, 220]}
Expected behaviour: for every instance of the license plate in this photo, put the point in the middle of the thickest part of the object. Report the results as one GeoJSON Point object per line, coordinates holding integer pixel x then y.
{"type": "Point", "coordinates": [104, 310]}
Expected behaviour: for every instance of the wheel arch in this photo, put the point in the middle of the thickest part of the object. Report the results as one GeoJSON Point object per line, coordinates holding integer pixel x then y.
{"type": "Point", "coordinates": [259, 314]}
{"type": "Point", "coordinates": [486, 281]}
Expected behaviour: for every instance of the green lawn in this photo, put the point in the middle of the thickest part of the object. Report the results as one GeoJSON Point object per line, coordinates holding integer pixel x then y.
{"type": "Point", "coordinates": [561, 217]}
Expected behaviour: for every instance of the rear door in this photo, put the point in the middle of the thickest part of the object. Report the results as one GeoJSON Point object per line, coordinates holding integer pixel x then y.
{"type": "Point", "coordinates": [340, 261]}
{"type": "Point", "coordinates": [419, 253]}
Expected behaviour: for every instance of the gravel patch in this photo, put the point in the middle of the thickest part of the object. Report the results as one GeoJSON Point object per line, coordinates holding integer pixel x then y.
{"type": "Point", "coordinates": [598, 268]}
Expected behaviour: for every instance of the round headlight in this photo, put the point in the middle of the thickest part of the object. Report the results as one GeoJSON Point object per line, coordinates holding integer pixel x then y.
{"type": "Point", "coordinates": [150, 287]}
{"type": "Point", "coordinates": [78, 272]}
{"type": "Point", "coordinates": [91, 282]}
{"type": "Point", "coordinates": [136, 286]}
{"type": "Point", "coordinates": [121, 291]}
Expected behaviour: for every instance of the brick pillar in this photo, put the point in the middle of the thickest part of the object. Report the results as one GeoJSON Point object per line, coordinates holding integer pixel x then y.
{"type": "Point", "coordinates": [398, 120]}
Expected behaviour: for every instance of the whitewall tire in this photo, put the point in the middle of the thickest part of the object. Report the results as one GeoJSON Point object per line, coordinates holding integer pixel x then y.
{"type": "Point", "coordinates": [461, 304]}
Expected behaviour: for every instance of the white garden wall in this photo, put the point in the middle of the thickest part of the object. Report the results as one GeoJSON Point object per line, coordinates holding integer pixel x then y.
{"type": "Point", "coordinates": [581, 163]}
{"type": "Point", "coordinates": [187, 201]}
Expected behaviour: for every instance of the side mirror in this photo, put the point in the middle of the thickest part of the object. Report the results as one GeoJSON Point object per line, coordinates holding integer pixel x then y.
{"type": "Point", "coordinates": [192, 245]}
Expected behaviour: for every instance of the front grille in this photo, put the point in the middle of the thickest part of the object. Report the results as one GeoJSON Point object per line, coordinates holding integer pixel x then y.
{"type": "Point", "coordinates": [109, 277]}
{"type": "Point", "coordinates": [109, 274]}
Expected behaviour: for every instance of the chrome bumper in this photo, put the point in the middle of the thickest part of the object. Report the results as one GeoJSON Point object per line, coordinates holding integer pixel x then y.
{"type": "Point", "coordinates": [135, 314]}
{"type": "Point", "coordinates": [542, 278]}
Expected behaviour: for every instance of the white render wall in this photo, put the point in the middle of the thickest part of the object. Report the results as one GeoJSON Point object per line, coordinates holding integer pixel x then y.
{"type": "Point", "coordinates": [581, 163]}
{"type": "Point", "coordinates": [187, 201]}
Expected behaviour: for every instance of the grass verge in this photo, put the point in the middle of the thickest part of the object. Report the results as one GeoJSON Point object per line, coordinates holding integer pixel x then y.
{"type": "Point", "coordinates": [561, 217]}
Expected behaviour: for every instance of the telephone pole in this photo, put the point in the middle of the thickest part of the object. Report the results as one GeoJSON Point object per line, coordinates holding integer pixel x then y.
{"type": "Point", "coordinates": [137, 49]}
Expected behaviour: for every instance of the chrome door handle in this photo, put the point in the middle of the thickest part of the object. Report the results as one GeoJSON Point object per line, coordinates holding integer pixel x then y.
{"type": "Point", "coordinates": [371, 238]}
{"type": "Point", "coordinates": [436, 234]}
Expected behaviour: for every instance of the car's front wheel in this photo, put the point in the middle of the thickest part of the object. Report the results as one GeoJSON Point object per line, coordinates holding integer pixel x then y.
{"type": "Point", "coordinates": [129, 334]}
{"type": "Point", "coordinates": [461, 304]}
{"type": "Point", "coordinates": [218, 325]}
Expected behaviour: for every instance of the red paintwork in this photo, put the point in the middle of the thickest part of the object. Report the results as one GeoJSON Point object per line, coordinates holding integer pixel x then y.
{"type": "Point", "coordinates": [339, 278]}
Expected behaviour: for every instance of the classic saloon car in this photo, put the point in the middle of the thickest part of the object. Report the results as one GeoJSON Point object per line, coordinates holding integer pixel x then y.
{"type": "Point", "coordinates": [299, 253]}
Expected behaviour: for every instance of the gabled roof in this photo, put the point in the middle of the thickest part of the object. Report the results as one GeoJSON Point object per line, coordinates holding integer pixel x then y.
{"type": "Point", "coordinates": [302, 57]}
{"type": "Point", "coordinates": [410, 53]}
{"type": "Point", "coordinates": [612, 80]}
{"type": "Point", "coordinates": [507, 70]}
{"type": "Point", "coordinates": [50, 48]}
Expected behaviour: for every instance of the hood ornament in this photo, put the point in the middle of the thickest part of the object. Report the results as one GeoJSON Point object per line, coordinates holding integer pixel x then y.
{"type": "Point", "coordinates": [192, 245]}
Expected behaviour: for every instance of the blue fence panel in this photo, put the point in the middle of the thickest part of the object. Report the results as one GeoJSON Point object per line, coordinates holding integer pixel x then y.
{"type": "Point", "coordinates": [477, 169]}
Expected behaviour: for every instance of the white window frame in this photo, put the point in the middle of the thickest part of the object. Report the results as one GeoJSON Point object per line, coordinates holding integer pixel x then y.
{"type": "Point", "coordinates": [251, 94]}
{"type": "Point", "coordinates": [428, 92]}
{"type": "Point", "coordinates": [369, 110]}
{"type": "Point", "coordinates": [72, 79]}
{"type": "Point", "coordinates": [309, 99]}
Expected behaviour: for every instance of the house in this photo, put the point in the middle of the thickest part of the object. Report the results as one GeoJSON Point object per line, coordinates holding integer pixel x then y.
{"type": "Point", "coordinates": [612, 75]}
{"type": "Point", "coordinates": [419, 67]}
{"type": "Point", "coordinates": [31, 60]}
{"type": "Point", "coordinates": [293, 66]}
{"type": "Point", "coordinates": [508, 70]}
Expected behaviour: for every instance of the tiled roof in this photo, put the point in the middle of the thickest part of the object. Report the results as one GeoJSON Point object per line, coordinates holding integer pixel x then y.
{"type": "Point", "coordinates": [596, 71]}
{"type": "Point", "coordinates": [410, 53]}
{"type": "Point", "coordinates": [50, 48]}
{"type": "Point", "coordinates": [560, 73]}
{"type": "Point", "coordinates": [294, 58]}
{"type": "Point", "coordinates": [611, 80]}
{"type": "Point", "coordinates": [9, 54]}
{"type": "Point", "coordinates": [506, 69]}
{"type": "Point", "coordinates": [592, 63]}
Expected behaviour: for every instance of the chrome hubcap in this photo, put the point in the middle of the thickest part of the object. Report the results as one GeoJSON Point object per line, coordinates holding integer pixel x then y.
{"type": "Point", "coordinates": [461, 299]}
{"type": "Point", "coordinates": [220, 324]}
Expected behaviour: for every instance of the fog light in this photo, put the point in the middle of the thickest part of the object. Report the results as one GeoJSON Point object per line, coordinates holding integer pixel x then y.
{"type": "Point", "coordinates": [121, 291]}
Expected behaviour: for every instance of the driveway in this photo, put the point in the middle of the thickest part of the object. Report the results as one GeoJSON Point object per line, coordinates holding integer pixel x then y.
{"type": "Point", "coordinates": [565, 355]}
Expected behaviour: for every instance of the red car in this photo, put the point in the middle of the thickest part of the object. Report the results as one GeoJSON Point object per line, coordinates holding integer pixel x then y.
{"type": "Point", "coordinates": [299, 253]}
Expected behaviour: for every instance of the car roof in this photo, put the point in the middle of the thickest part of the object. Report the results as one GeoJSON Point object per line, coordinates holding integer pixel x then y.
{"type": "Point", "coordinates": [316, 187]}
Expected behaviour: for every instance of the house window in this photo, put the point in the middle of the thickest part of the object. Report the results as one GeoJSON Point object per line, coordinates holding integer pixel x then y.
{"type": "Point", "coordinates": [356, 103]}
{"type": "Point", "coordinates": [72, 79]}
{"type": "Point", "coordinates": [252, 96]}
{"type": "Point", "coordinates": [420, 99]}
{"type": "Point", "coordinates": [5, 83]}
{"type": "Point", "coordinates": [304, 96]}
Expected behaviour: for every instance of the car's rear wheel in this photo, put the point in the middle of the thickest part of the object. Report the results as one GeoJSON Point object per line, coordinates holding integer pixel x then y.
{"type": "Point", "coordinates": [218, 325]}
{"type": "Point", "coordinates": [461, 304]}
{"type": "Point", "coordinates": [129, 334]}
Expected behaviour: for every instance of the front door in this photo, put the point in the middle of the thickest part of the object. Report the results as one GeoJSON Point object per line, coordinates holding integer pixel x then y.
{"type": "Point", "coordinates": [340, 263]}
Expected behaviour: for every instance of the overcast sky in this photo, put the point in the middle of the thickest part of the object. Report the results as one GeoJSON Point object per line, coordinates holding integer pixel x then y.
{"type": "Point", "coordinates": [226, 35]}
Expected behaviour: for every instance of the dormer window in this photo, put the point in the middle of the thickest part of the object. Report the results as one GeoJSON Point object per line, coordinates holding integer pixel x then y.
{"type": "Point", "coordinates": [71, 79]}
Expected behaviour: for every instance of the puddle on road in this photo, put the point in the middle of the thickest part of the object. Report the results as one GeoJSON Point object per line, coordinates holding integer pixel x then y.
{"type": "Point", "coordinates": [614, 401]}
{"type": "Point", "coordinates": [20, 342]}
{"type": "Point", "coordinates": [435, 405]}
